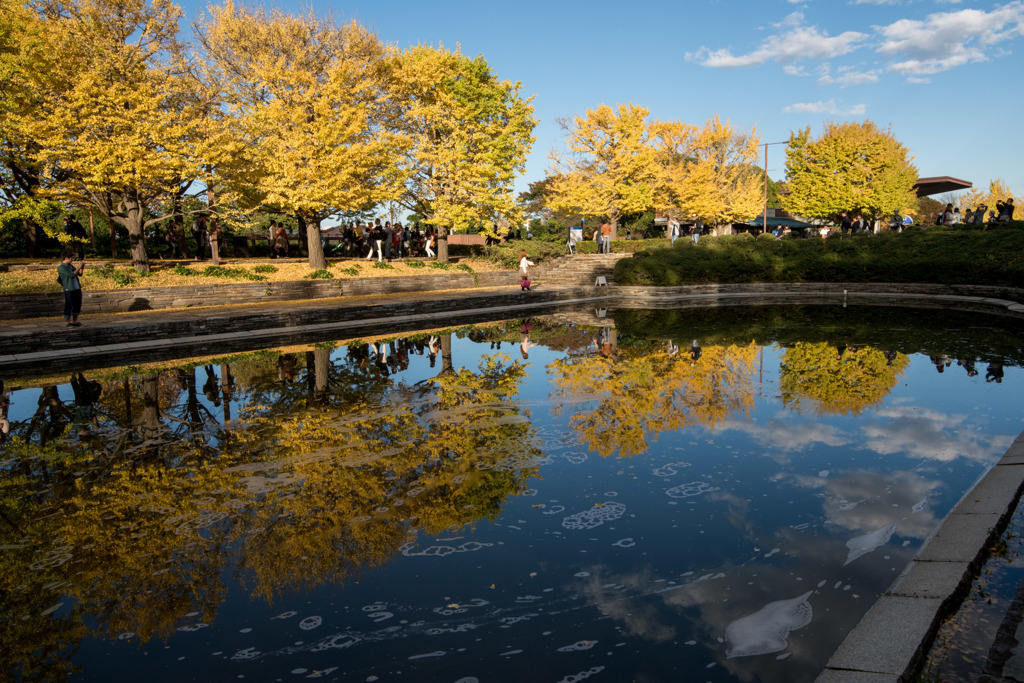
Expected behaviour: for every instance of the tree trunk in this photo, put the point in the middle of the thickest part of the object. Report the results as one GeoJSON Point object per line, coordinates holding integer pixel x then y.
{"type": "Point", "coordinates": [613, 219]}
{"type": "Point", "coordinates": [92, 230]}
{"type": "Point", "coordinates": [110, 226]}
{"type": "Point", "coordinates": [225, 392]}
{"type": "Point", "coordinates": [317, 261]}
{"type": "Point", "coordinates": [214, 228]}
{"type": "Point", "coordinates": [32, 233]}
{"type": "Point", "coordinates": [150, 417]}
{"type": "Point", "coordinates": [442, 244]}
{"type": "Point", "coordinates": [178, 221]}
{"type": "Point", "coordinates": [136, 235]}
{"type": "Point", "coordinates": [322, 360]}
{"type": "Point", "coordinates": [446, 352]}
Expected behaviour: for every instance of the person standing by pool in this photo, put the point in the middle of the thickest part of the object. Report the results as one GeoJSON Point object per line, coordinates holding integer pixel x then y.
{"type": "Point", "coordinates": [68, 277]}
{"type": "Point", "coordinates": [673, 230]}
{"type": "Point", "coordinates": [524, 265]}
{"type": "Point", "coordinates": [606, 238]}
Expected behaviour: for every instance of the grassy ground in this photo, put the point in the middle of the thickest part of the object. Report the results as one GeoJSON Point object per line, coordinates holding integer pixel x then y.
{"type": "Point", "coordinates": [991, 256]}
{"type": "Point", "coordinates": [171, 274]}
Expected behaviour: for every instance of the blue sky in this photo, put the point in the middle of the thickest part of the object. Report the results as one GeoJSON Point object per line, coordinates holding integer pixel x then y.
{"type": "Point", "coordinates": [944, 76]}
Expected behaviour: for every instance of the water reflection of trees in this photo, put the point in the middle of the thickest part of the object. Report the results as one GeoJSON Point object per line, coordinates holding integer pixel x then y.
{"type": "Point", "coordinates": [643, 390]}
{"type": "Point", "coordinates": [837, 380]}
{"type": "Point", "coordinates": [132, 523]}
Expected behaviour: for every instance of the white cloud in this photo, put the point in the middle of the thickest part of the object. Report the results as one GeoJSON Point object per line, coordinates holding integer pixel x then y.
{"type": "Point", "coordinates": [793, 70]}
{"type": "Point", "coordinates": [826, 107]}
{"type": "Point", "coordinates": [920, 80]}
{"type": "Point", "coordinates": [794, 43]}
{"type": "Point", "coordinates": [946, 40]}
{"type": "Point", "coordinates": [846, 76]}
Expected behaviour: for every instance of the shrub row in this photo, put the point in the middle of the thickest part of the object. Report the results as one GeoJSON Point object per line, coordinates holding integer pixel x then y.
{"type": "Point", "coordinates": [994, 256]}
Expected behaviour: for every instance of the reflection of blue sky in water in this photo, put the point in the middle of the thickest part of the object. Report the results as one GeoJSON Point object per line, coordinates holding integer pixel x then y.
{"type": "Point", "coordinates": [742, 553]}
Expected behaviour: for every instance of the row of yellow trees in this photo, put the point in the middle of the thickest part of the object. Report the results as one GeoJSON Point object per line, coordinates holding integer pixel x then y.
{"type": "Point", "coordinates": [618, 162]}
{"type": "Point", "coordinates": [105, 105]}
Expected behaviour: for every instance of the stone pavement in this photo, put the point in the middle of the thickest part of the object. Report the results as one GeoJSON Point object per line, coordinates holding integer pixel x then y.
{"type": "Point", "coordinates": [890, 642]}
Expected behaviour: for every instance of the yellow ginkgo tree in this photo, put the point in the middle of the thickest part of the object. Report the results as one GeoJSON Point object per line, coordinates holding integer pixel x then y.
{"type": "Point", "coordinates": [121, 123]}
{"type": "Point", "coordinates": [709, 172]}
{"type": "Point", "coordinates": [609, 167]}
{"type": "Point", "coordinates": [309, 99]}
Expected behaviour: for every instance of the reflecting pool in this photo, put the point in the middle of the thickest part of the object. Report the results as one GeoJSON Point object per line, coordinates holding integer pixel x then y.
{"type": "Point", "coordinates": [639, 495]}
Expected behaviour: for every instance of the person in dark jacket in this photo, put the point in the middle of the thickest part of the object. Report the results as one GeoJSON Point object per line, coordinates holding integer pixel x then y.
{"type": "Point", "coordinates": [68, 277]}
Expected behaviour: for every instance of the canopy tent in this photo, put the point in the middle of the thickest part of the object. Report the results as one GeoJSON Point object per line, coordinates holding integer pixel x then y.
{"type": "Point", "coordinates": [925, 187]}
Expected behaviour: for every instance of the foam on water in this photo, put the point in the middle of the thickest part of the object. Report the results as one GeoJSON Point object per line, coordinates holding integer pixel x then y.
{"type": "Point", "coordinates": [594, 517]}
{"type": "Point", "coordinates": [766, 630]}
{"type": "Point", "coordinates": [862, 545]}
{"type": "Point", "coordinates": [694, 488]}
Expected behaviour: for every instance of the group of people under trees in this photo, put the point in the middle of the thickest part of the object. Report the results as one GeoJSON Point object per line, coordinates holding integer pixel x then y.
{"type": "Point", "coordinates": [1003, 213]}
{"type": "Point", "coordinates": [385, 240]}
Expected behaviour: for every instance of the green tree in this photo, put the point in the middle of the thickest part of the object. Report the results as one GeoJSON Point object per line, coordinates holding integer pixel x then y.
{"type": "Point", "coordinates": [468, 134]}
{"type": "Point", "coordinates": [852, 167]}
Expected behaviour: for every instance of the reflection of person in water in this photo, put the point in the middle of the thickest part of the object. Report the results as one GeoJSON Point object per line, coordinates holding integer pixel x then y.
{"type": "Point", "coordinates": [968, 365]}
{"type": "Point", "coordinates": [994, 373]}
{"type": "Point", "coordinates": [432, 346]}
{"type": "Point", "coordinates": [286, 367]}
{"type": "Point", "coordinates": [672, 348]}
{"type": "Point", "coordinates": [51, 416]}
{"type": "Point", "coordinates": [890, 357]}
{"type": "Point", "coordinates": [695, 352]}
{"type": "Point", "coordinates": [87, 392]}
{"type": "Point", "coordinates": [5, 404]}
{"type": "Point", "coordinates": [525, 344]}
{"type": "Point", "coordinates": [941, 362]}
{"type": "Point", "coordinates": [210, 387]}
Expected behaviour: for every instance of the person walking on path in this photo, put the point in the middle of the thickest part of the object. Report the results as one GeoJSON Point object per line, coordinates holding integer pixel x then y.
{"type": "Point", "coordinates": [524, 273]}
{"type": "Point", "coordinates": [673, 230]}
{"type": "Point", "coordinates": [606, 238]}
{"type": "Point", "coordinates": [68, 277]}
{"type": "Point", "coordinates": [279, 247]}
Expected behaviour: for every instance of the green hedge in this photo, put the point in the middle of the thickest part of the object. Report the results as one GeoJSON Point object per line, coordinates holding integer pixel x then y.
{"type": "Point", "coordinates": [993, 256]}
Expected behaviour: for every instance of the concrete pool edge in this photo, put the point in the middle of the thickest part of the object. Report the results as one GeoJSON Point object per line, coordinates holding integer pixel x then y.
{"type": "Point", "coordinates": [890, 642]}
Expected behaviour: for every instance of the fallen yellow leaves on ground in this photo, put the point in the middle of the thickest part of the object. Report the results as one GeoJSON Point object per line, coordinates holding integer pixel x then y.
{"type": "Point", "coordinates": [97, 276]}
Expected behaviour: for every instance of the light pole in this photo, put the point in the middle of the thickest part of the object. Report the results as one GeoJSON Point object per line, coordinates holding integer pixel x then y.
{"type": "Point", "coordinates": [764, 212]}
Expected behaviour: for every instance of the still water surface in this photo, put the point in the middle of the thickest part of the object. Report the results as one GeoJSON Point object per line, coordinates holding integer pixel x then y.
{"type": "Point", "coordinates": [656, 496]}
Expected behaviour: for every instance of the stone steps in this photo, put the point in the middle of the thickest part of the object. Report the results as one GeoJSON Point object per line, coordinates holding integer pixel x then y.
{"type": "Point", "coordinates": [578, 269]}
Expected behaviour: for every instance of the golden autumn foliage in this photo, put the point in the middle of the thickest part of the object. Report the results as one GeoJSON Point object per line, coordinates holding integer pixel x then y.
{"type": "Point", "coordinates": [308, 98]}
{"type": "Point", "coordinates": [610, 168]}
{"type": "Point", "coordinates": [120, 123]}
{"type": "Point", "coordinates": [709, 171]}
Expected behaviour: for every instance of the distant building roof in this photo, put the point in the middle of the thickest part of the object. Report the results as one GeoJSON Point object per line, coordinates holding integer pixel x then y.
{"type": "Point", "coordinates": [929, 186]}
{"type": "Point", "coordinates": [778, 222]}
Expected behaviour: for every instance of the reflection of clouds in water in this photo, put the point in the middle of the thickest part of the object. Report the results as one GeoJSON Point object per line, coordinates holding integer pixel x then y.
{"type": "Point", "coordinates": [788, 434]}
{"type": "Point", "coordinates": [638, 618]}
{"type": "Point", "coordinates": [929, 434]}
{"type": "Point", "coordinates": [863, 502]}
